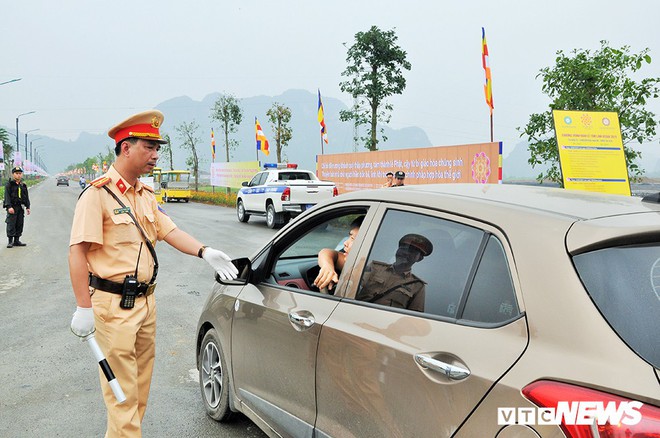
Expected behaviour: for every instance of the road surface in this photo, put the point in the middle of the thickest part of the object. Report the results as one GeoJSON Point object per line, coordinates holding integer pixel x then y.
{"type": "Point", "coordinates": [49, 379]}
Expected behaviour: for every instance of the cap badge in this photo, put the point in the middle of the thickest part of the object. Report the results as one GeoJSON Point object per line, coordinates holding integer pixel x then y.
{"type": "Point", "coordinates": [155, 122]}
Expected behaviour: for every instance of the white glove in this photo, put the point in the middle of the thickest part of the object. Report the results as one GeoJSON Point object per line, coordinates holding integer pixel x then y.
{"type": "Point", "coordinates": [82, 323]}
{"type": "Point", "coordinates": [221, 263]}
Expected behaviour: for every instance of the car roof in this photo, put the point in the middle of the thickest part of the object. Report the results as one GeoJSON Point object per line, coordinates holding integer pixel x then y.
{"type": "Point", "coordinates": [570, 204]}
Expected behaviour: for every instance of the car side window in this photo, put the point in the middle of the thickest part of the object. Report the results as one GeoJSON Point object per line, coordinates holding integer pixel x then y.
{"type": "Point", "coordinates": [420, 263]}
{"type": "Point", "coordinates": [255, 179]}
{"type": "Point", "coordinates": [295, 264]}
{"type": "Point", "coordinates": [492, 298]}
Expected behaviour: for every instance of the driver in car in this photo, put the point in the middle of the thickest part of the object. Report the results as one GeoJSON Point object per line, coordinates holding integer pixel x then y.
{"type": "Point", "coordinates": [331, 261]}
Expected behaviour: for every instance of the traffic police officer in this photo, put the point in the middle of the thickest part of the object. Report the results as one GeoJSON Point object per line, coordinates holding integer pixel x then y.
{"type": "Point", "coordinates": [399, 177]}
{"type": "Point", "coordinates": [393, 284]}
{"type": "Point", "coordinates": [16, 196]}
{"type": "Point", "coordinates": [110, 245]}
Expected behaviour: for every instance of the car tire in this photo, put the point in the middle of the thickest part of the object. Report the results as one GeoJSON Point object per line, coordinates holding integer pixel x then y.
{"type": "Point", "coordinates": [273, 220]}
{"type": "Point", "coordinates": [240, 212]}
{"type": "Point", "coordinates": [213, 378]}
{"type": "Point", "coordinates": [166, 199]}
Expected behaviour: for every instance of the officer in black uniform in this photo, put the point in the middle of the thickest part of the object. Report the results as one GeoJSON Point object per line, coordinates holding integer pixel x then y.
{"type": "Point", "coordinates": [16, 196]}
{"type": "Point", "coordinates": [399, 177]}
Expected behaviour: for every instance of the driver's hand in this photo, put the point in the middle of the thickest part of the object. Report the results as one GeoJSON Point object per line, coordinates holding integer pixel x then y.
{"type": "Point", "coordinates": [327, 278]}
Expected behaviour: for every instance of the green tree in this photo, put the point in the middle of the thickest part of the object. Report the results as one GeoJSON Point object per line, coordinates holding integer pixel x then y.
{"type": "Point", "coordinates": [187, 132]}
{"type": "Point", "coordinates": [228, 112]}
{"type": "Point", "coordinates": [108, 158]}
{"type": "Point", "coordinates": [374, 73]}
{"type": "Point", "coordinates": [7, 151]}
{"type": "Point", "coordinates": [280, 116]}
{"type": "Point", "coordinates": [599, 81]}
{"type": "Point", "coordinates": [166, 152]}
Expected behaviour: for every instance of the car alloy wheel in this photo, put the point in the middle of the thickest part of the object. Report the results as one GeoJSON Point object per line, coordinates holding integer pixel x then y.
{"type": "Point", "coordinates": [213, 380]}
{"type": "Point", "coordinates": [240, 211]}
{"type": "Point", "coordinates": [270, 216]}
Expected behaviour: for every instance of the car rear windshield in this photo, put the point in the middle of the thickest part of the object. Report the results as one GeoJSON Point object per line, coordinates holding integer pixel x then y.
{"type": "Point", "coordinates": [624, 283]}
{"type": "Point", "coordinates": [288, 176]}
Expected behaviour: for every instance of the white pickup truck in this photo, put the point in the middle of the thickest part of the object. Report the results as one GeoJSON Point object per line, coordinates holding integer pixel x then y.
{"type": "Point", "coordinates": [280, 192]}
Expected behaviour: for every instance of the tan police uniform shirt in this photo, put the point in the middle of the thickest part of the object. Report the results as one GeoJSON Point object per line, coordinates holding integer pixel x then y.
{"type": "Point", "coordinates": [381, 284]}
{"type": "Point", "coordinates": [115, 240]}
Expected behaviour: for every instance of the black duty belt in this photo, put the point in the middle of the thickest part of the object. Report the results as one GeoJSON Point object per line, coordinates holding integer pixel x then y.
{"type": "Point", "coordinates": [145, 289]}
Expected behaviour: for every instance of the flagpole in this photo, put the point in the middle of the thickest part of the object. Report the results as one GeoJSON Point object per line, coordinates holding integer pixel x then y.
{"type": "Point", "coordinates": [491, 126]}
{"type": "Point", "coordinates": [321, 137]}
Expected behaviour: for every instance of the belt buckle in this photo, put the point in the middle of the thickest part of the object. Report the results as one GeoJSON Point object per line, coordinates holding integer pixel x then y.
{"type": "Point", "coordinates": [150, 289]}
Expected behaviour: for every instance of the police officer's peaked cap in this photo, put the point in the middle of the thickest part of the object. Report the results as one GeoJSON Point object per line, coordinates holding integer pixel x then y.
{"type": "Point", "coordinates": [144, 125]}
{"type": "Point", "coordinates": [17, 169]}
{"type": "Point", "coordinates": [400, 174]}
{"type": "Point", "coordinates": [417, 241]}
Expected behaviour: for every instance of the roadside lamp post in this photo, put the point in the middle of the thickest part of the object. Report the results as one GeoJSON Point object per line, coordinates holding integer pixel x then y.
{"type": "Point", "coordinates": [18, 149]}
{"type": "Point", "coordinates": [13, 80]}
{"type": "Point", "coordinates": [26, 135]}
{"type": "Point", "coordinates": [31, 141]}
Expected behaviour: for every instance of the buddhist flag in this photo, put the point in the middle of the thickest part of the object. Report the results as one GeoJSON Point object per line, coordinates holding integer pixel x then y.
{"type": "Point", "coordinates": [321, 117]}
{"type": "Point", "coordinates": [262, 142]}
{"type": "Point", "coordinates": [212, 144]}
{"type": "Point", "coordinates": [488, 87]}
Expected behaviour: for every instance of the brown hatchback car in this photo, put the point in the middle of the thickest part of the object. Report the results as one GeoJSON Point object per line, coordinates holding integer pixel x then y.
{"type": "Point", "coordinates": [461, 310]}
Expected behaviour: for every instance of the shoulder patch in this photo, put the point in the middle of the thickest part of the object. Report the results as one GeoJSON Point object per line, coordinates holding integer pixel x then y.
{"type": "Point", "coordinates": [100, 182]}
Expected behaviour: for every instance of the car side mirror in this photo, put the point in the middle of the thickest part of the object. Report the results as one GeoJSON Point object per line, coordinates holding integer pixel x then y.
{"type": "Point", "coordinates": [244, 266]}
{"type": "Point", "coordinates": [245, 184]}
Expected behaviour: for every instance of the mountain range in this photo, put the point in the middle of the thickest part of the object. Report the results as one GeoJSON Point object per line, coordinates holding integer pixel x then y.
{"type": "Point", "coordinates": [303, 147]}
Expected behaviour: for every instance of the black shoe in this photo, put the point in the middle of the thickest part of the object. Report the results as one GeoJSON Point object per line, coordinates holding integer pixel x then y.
{"type": "Point", "coordinates": [19, 243]}
{"type": "Point", "coordinates": [10, 245]}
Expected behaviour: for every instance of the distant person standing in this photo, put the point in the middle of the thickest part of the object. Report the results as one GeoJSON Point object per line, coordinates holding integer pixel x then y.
{"type": "Point", "coordinates": [390, 178]}
{"type": "Point", "coordinates": [16, 196]}
{"type": "Point", "coordinates": [399, 178]}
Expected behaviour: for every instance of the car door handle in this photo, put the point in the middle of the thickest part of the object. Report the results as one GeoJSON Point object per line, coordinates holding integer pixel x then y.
{"type": "Point", "coordinates": [452, 371]}
{"type": "Point", "coordinates": [302, 320]}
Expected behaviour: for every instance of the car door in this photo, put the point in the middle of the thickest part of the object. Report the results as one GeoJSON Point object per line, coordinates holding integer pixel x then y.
{"type": "Point", "coordinates": [253, 194]}
{"type": "Point", "coordinates": [277, 323]}
{"type": "Point", "coordinates": [384, 370]}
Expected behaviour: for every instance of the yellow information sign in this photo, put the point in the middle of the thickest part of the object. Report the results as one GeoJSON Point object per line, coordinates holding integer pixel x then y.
{"type": "Point", "coordinates": [591, 151]}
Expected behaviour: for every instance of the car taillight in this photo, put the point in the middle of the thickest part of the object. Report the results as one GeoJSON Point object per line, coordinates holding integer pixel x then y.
{"type": "Point", "coordinates": [335, 192]}
{"type": "Point", "coordinates": [615, 417]}
{"type": "Point", "coordinates": [286, 194]}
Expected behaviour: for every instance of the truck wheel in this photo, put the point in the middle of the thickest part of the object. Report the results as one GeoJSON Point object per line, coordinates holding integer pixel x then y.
{"type": "Point", "coordinates": [240, 212]}
{"type": "Point", "coordinates": [273, 220]}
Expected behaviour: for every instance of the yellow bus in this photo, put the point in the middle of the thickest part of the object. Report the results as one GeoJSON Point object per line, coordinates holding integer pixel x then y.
{"type": "Point", "coordinates": [175, 185]}
{"type": "Point", "coordinates": [153, 180]}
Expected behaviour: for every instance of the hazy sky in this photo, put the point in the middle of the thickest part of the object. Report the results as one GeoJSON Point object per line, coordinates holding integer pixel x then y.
{"type": "Point", "coordinates": [86, 65]}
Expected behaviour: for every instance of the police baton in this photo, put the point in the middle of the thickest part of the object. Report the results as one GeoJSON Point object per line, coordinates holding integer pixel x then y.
{"type": "Point", "coordinates": [112, 380]}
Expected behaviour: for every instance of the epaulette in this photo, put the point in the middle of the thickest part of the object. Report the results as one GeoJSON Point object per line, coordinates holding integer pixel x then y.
{"type": "Point", "coordinates": [148, 187]}
{"type": "Point", "coordinates": [100, 181]}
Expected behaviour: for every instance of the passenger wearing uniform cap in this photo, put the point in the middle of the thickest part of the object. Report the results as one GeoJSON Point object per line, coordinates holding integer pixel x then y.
{"type": "Point", "coordinates": [106, 246]}
{"type": "Point", "coordinates": [16, 196]}
{"type": "Point", "coordinates": [394, 284]}
{"type": "Point", "coordinates": [399, 177]}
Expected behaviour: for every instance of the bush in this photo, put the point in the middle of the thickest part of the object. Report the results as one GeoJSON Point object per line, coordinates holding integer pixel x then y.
{"type": "Point", "coordinates": [219, 198]}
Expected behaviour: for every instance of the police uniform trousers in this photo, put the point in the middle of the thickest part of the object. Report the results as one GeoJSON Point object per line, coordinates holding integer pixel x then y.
{"type": "Point", "coordinates": [15, 222]}
{"type": "Point", "coordinates": [128, 339]}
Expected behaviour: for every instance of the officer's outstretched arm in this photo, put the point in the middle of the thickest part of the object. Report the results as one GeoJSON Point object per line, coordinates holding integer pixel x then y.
{"type": "Point", "coordinates": [186, 243]}
{"type": "Point", "coordinates": [82, 323]}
